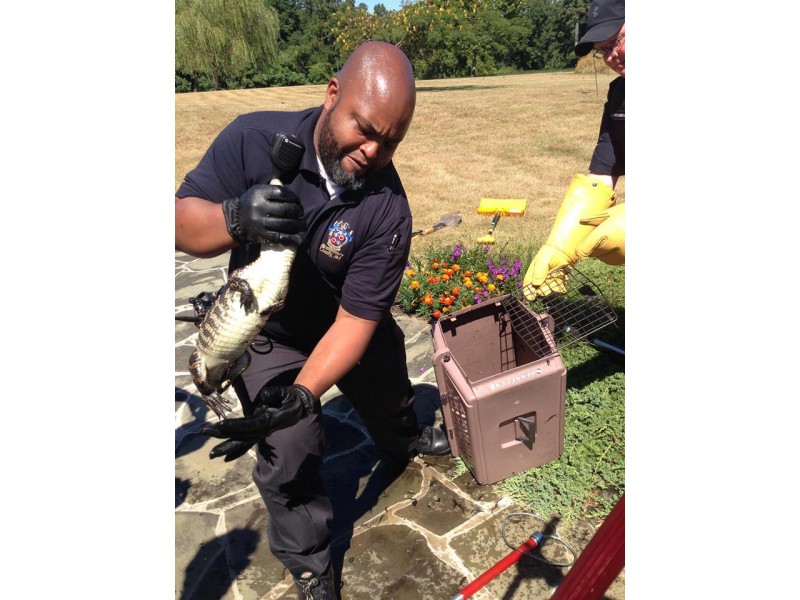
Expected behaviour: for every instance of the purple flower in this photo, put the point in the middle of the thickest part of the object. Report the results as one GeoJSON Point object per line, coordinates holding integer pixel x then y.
{"type": "Point", "coordinates": [456, 252]}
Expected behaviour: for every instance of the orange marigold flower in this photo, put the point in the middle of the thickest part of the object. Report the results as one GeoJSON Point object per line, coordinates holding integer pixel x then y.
{"type": "Point", "coordinates": [467, 273]}
{"type": "Point", "coordinates": [499, 277]}
{"type": "Point", "coordinates": [435, 265]}
{"type": "Point", "coordinates": [456, 291]}
{"type": "Point", "coordinates": [414, 285]}
{"type": "Point", "coordinates": [431, 279]}
{"type": "Point", "coordinates": [409, 273]}
{"type": "Point", "coordinates": [445, 277]}
{"type": "Point", "coordinates": [456, 268]}
{"type": "Point", "coordinates": [447, 301]}
{"type": "Point", "coordinates": [436, 314]}
{"type": "Point", "coordinates": [450, 272]}
{"type": "Point", "coordinates": [427, 300]}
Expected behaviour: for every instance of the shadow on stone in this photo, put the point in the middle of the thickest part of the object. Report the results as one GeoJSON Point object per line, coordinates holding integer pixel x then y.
{"type": "Point", "coordinates": [198, 410]}
{"type": "Point", "coordinates": [181, 490]}
{"type": "Point", "coordinates": [209, 576]}
{"type": "Point", "coordinates": [529, 568]}
{"type": "Point", "coordinates": [360, 481]}
{"type": "Point", "coordinates": [360, 495]}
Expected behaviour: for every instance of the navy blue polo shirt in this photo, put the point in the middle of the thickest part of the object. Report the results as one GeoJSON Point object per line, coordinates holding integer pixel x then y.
{"type": "Point", "coordinates": [357, 244]}
{"type": "Point", "coordinates": [609, 154]}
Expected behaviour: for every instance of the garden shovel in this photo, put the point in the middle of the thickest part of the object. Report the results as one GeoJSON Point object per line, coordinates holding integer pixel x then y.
{"type": "Point", "coordinates": [446, 220]}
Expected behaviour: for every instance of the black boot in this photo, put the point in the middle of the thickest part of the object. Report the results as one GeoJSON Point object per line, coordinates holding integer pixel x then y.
{"type": "Point", "coordinates": [322, 587]}
{"type": "Point", "coordinates": [433, 442]}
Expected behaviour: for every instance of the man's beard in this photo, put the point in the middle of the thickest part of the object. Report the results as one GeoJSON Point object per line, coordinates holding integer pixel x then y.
{"type": "Point", "coordinates": [331, 158]}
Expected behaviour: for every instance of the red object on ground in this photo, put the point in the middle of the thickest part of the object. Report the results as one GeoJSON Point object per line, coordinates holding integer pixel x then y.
{"type": "Point", "coordinates": [528, 546]}
{"type": "Point", "coordinates": [601, 561]}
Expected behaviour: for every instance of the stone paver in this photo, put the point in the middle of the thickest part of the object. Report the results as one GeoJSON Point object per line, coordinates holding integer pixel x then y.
{"type": "Point", "coordinates": [421, 531]}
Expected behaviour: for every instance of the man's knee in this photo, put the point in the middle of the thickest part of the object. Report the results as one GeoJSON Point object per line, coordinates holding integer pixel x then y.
{"type": "Point", "coordinates": [290, 459]}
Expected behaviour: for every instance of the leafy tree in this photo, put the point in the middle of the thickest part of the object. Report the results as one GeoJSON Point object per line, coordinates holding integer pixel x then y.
{"type": "Point", "coordinates": [355, 25]}
{"type": "Point", "coordinates": [223, 39]}
{"type": "Point", "coordinates": [568, 13]}
{"type": "Point", "coordinates": [256, 43]}
{"type": "Point", "coordinates": [307, 33]}
{"type": "Point", "coordinates": [456, 38]}
{"type": "Point", "coordinates": [534, 18]}
{"type": "Point", "coordinates": [550, 39]}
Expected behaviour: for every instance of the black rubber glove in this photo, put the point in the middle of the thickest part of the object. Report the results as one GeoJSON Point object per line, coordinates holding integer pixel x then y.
{"type": "Point", "coordinates": [276, 407]}
{"type": "Point", "coordinates": [266, 214]}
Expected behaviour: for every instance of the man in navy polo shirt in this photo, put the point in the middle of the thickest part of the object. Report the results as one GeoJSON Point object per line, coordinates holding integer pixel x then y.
{"type": "Point", "coordinates": [347, 213]}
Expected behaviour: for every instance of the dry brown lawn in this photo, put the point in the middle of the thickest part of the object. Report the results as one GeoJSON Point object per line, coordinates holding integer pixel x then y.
{"type": "Point", "coordinates": [516, 136]}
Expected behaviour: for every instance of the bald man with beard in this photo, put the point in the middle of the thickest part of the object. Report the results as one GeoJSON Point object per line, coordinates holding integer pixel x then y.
{"type": "Point", "coordinates": [347, 214]}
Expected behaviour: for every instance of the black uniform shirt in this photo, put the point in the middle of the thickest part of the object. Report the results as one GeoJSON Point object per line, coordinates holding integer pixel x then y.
{"type": "Point", "coordinates": [609, 154]}
{"type": "Point", "coordinates": [356, 247]}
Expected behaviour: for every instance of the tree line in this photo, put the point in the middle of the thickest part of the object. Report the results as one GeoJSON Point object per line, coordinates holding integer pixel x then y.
{"type": "Point", "coordinates": [235, 44]}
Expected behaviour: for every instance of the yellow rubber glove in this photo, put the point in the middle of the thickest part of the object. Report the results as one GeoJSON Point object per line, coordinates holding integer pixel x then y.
{"type": "Point", "coordinates": [586, 197]}
{"type": "Point", "coordinates": [607, 241]}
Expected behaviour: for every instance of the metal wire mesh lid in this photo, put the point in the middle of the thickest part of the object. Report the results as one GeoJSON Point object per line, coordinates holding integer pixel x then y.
{"type": "Point", "coordinates": [574, 303]}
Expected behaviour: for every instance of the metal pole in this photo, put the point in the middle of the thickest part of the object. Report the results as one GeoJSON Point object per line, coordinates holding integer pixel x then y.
{"type": "Point", "coordinates": [525, 548]}
{"type": "Point", "coordinates": [607, 346]}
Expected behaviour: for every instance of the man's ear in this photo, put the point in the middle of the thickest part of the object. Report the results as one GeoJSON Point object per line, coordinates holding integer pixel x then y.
{"type": "Point", "coordinates": [331, 93]}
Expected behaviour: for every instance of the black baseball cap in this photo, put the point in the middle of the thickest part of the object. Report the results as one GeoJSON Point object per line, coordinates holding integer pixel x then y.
{"type": "Point", "coordinates": [605, 19]}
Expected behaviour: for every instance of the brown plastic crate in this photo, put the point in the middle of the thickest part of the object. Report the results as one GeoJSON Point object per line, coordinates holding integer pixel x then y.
{"type": "Point", "coordinates": [502, 393]}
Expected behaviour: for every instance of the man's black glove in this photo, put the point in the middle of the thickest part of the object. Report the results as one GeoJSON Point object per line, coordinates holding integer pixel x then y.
{"type": "Point", "coordinates": [276, 407]}
{"type": "Point", "coordinates": [266, 214]}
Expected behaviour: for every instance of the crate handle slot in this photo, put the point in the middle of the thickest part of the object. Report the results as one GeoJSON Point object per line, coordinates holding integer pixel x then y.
{"type": "Point", "coordinates": [528, 436]}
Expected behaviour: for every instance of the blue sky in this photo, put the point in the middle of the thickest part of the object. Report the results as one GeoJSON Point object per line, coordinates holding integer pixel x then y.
{"type": "Point", "coordinates": [389, 4]}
